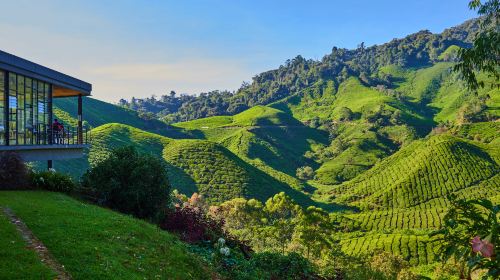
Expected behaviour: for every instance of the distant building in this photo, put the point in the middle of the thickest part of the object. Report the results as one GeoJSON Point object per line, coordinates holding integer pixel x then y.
{"type": "Point", "coordinates": [27, 91]}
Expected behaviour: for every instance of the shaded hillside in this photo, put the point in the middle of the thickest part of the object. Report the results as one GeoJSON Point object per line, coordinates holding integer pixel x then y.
{"type": "Point", "coordinates": [96, 113]}
{"type": "Point", "coordinates": [205, 167]}
{"type": "Point", "coordinates": [193, 165]}
{"type": "Point", "coordinates": [267, 138]}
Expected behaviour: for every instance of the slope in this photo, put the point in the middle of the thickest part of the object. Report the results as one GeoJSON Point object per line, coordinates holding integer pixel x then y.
{"type": "Point", "coordinates": [203, 166]}
{"type": "Point", "coordinates": [111, 245]}
{"type": "Point", "coordinates": [192, 165]}
{"type": "Point", "coordinates": [96, 113]}
{"type": "Point", "coordinates": [422, 171]}
{"type": "Point", "coordinates": [268, 139]}
{"type": "Point", "coordinates": [16, 260]}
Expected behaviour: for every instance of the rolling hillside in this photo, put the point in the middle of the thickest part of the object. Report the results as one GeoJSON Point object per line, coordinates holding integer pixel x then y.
{"type": "Point", "coordinates": [193, 165]}
{"type": "Point", "coordinates": [421, 172]}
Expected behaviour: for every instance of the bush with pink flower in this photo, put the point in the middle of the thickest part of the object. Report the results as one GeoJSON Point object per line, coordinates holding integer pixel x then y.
{"type": "Point", "coordinates": [470, 237]}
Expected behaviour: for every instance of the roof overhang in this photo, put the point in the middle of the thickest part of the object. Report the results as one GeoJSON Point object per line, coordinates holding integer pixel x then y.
{"type": "Point", "coordinates": [64, 85]}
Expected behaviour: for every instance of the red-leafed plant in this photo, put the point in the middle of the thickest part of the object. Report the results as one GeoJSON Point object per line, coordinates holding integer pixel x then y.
{"type": "Point", "coordinates": [13, 172]}
{"type": "Point", "coordinates": [191, 224]}
{"type": "Point", "coordinates": [190, 220]}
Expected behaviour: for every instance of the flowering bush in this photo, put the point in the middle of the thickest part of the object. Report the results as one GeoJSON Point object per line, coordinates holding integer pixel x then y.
{"type": "Point", "coordinates": [52, 181]}
{"type": "Point", "coordinates": [470, 235]}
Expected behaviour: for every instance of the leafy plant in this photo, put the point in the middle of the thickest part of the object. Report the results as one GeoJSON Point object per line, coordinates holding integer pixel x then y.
{"type": "Point", "coordinates": [305, 173]}
{"type": "Point", "coordinates": [278, 266]}
{"type": "Point", "coordinates": [483, 55]}
{"type": "Point", "coordinates": [130, 183]}
{"type": "Point", "coordinates": [388, 264]}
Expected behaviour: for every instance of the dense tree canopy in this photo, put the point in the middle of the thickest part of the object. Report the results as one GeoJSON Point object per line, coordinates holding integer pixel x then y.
{"type": "Point", "coordinates": [416, 50]}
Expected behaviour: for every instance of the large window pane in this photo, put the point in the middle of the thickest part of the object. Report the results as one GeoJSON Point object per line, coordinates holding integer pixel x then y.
{"type": "Point", "coordinates": [27, 109]}
{"type": "Point", "coordinates": [2, 108]}
{"type": "Point", "coordinates": [12, 109]}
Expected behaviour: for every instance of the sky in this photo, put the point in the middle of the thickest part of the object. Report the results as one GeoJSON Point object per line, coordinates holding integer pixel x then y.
{"type": "Point", "coordinates": [138, 48]}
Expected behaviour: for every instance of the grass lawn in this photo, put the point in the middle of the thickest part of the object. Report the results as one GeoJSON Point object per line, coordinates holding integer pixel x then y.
{"type": "Point", "coordinates": [16, 260]}
{"type": "Point", "coordinates": [95, 243]}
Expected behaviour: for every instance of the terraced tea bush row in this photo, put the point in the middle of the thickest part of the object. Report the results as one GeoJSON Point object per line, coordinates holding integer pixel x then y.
{"type": "Point", "coordinates": [420, 172]}
{"type": "Point", "coordinates": [416, 249]}
{"type": "Point", "coordinates": [400, 219]}
{"type": "Point", "coordinates": [484, 131]}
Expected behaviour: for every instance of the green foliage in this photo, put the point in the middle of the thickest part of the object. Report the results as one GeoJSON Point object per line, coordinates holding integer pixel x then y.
{"type": "Point", "coordinates": [485, 132]}
{"type": "Point", "coordinates": [470, 236]}
{"type": "Point", "coordinates": [388, 265]}
{"type": "Point", "coordinates": [314, 231]}
{"type": "Point", "coordinates": [484, 53]}
{"type": "Point", "coordinates": [345, 114]}
{"type": "Point", "coordinates": [417, 249]}
{"type": "Point", "coordinates": [269, 265]}
{"type": "Point", "coordinates": [214, 172]}
{"type": "Point", "coordinates": [425, 170]}
{"type": "Point", "coordinates": [129, 182]}
{"type": "Point", "coordinates": [53, 181]}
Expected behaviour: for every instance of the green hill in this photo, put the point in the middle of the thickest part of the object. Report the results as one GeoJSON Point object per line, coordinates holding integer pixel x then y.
{"type": "Point", "coordinates": [97, 113]}
{"type": "Point", "coordinates": [255, 116]}
{"type": "Point", "coordinates": [203, 166]}
{"type": "Point", "coordinates": [193, 165]}
{"type": "Point", "coordinates": [268, 139]}
{"type": "Point", "coordinates": [110, 245]}
{"type": "Point", "coordinates": [420, 172]}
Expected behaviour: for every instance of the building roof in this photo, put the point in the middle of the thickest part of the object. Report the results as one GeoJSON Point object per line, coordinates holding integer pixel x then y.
{"type": "Point", "coordinates": [64, 85]}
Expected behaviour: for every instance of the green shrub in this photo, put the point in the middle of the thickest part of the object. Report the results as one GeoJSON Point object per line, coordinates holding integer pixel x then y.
{"type": "Point", "coordinates": [52, 181]}
{"type": "Point", "coordinates": [13, 172]}
{"type": "Point", "coordinates": [305, 173]}
{"type": "Point", "coordinates": [387, 264]}
{"type": "Point", "coordinates": [130, 183]}
{"type": "Point", "coordinates": [406, 274]}
{"type": "Point", "coordinates": [277, 266]}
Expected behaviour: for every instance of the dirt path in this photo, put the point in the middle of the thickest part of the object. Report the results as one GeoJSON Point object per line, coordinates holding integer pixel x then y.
{"type": "Point", "coordinates": [36, 245]}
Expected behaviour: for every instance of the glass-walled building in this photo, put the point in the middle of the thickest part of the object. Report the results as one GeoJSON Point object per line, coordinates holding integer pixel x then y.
{"type": "Point", "coordinates": [27, 108]}
{"type": "Point", "coordinates": [27, 91]}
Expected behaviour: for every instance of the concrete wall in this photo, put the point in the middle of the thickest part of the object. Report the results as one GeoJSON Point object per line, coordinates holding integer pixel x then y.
{"type": "Point", "coordinates": [46, 152]}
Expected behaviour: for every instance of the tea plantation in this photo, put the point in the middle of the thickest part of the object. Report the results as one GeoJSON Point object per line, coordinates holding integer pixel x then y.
{"type": "Point", "coordinates": [385, 157]}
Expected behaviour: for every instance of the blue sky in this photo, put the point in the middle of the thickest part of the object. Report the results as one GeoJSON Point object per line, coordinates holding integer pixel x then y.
{"type": "Point", "coordinates": [139, 48]}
